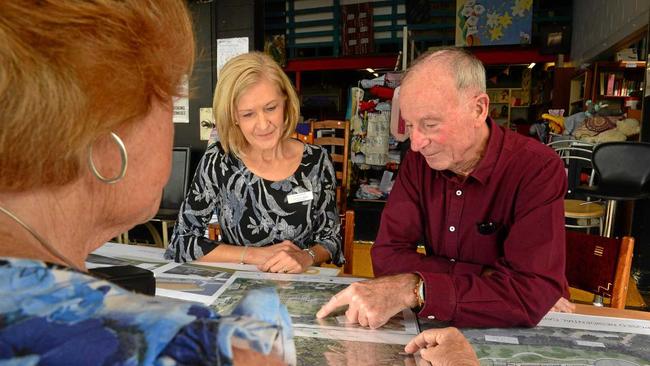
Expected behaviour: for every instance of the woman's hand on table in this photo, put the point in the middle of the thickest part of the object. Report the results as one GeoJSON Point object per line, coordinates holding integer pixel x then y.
{"type": "Point", "coordinates": [260, 255]}
{"type": "Point", "coordinates": [289, 259]}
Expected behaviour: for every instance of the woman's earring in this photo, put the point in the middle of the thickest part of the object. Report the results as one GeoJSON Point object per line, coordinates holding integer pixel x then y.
{"type": "Point", "coordinates": [123, 156]}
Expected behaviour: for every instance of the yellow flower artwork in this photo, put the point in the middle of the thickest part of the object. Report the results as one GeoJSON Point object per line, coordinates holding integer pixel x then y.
{"type": "Point", "coordinates": [492, 22]}
{"type": "Point", "coordinates": [505, 20]}
{"type": "Point", "coordinates": [496, 33]}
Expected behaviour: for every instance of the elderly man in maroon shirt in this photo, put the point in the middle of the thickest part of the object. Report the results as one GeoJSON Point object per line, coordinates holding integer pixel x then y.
{"type": "Point", "coordinates": [486, 203]}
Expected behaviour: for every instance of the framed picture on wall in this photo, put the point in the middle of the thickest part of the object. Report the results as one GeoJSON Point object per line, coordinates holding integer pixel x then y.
{"type": "Point", "coordinates": [493, 22]}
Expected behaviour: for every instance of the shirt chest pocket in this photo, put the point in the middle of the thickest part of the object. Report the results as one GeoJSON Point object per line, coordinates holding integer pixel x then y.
{"type": "Point", "coordinates": [485, 243]}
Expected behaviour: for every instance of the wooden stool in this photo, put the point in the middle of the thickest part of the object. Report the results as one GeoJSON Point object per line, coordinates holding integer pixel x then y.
{"type": "Point", "coordinates": [584, 210]}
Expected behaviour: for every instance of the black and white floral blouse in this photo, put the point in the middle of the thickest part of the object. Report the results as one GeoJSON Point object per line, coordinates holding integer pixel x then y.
{"type": "Point", "coordinates": [257, 212]}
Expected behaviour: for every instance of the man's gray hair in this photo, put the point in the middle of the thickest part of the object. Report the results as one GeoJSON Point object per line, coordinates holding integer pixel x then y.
{"type": "Point", "coordinates": [466, 68]}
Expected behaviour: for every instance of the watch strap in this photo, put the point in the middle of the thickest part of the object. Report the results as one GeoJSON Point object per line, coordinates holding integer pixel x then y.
{"type": "Point", "coordinates": [311, 252]}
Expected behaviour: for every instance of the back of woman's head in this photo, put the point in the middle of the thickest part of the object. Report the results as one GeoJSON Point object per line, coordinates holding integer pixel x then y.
{"type": "Point", "coordinates": [73, 71]}
{"type": "Point", "coordinates": [235, 78]}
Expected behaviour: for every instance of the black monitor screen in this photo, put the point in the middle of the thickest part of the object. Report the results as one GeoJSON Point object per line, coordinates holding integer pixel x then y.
{"type": "Point", "coordinates": [174, 191]}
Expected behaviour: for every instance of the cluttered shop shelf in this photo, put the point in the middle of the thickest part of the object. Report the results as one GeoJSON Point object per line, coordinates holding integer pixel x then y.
{"type": "Point", "coordinates": [377, 137]}
{"type": "Point", "coordinates": [378, 143]}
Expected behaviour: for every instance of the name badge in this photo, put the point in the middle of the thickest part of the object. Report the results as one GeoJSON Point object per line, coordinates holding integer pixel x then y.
{"type": "Point", "coordinates": [300, 197]}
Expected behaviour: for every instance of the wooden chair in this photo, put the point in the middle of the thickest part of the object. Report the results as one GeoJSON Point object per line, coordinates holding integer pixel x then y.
{"type": "Point", "coordinates": [347, 227]}
{"type": "Point", "coordinates": [599, 265]}
{"type": "Point", "coordinates": [308, 139]}
{"type": "Point", "coordinates": [335, 137]}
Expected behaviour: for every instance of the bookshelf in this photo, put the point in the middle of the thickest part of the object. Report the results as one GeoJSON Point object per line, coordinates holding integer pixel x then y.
{"type": "Point", "coordinates": [616, 81]}
{"type": "Point", "coordinates": [508, 104]}
{"type": "Point", "coordinates": [580, 91]}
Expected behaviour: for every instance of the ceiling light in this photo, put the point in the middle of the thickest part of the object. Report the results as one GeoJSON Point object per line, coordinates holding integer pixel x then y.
{"type": "Point", "coordinates": [532, 64]}
{"type": "Point", "coordinates": [376, 75]}
{"type": "Point", "coordinates": [370, 70]}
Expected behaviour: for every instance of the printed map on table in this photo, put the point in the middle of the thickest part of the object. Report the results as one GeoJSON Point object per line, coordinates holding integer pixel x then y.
{"type": "Point", "coordinates": [303, 296]}
{"type": "Point", "coordinates": [318, 347]}
{"type": "Point", "coordinates": [564, 339]}
{"type": "Point", "coordinates": [196, 281]}
{"type": "Point", "coordinates": [331, 341]}
{"type": "Point", "coordinates": [191, 281]}
{"type": "Point", "coordinates": [553, 346]}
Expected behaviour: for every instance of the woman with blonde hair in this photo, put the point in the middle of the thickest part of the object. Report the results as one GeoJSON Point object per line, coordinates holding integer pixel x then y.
{"type": "Point", "coordinates": [274, 196]}
{"type": "Point", "coordinates": [86, 137]}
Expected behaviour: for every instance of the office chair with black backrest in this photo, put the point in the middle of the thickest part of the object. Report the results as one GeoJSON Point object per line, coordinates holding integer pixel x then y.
{"type": "Point", "coordinates": [174, 192]}
{"type": "Point", "coordinates": [623, 174]}
{"type": "Point", "coordinates": [599, 265]}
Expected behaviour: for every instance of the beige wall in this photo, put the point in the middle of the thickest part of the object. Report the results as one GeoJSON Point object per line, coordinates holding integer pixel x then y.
{"type": "Point", "coordinates": [599, 24]}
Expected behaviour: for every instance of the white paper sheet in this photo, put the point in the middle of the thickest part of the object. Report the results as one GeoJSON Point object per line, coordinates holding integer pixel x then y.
{"type": "Point", "coordinates": [182, 103]}
{"type": "Point", "coordinates": [228, 48]}
{"type": "Point", "coordinates": [595, 323]}
{"type": "Point", "coordinates": [116, 250]}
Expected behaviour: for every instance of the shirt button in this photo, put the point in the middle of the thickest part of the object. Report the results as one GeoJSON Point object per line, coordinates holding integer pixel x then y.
{"type": "Point", "coordinates": [459, 192]}
{"type": "Point", "coordinates": [431, 317]}
{"type": "Point", "coordinates": [452, 228]}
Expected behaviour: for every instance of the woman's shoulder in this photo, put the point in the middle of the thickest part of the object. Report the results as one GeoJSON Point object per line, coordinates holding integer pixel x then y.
{"type": "Point", "coordinates": [215, 149]}
{"type": "Point", "coordinates": [314, 152]}
{"type": "Point", "coordinates": [38, 277]}
{"type": "Point", "coordinates": [215, 154]}
{"type": "Point", "coordinates": [105, 313]}
{"type": "Point", "coordinates": [317, 155]}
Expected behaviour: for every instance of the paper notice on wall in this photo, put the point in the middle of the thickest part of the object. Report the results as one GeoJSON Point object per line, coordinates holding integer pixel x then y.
{"type": "Point", "coordinates": [206, 123]}
{"type": "Point", "coordinates": [182, 103]}
{"type": "Point", "coordinates": [228, 48]}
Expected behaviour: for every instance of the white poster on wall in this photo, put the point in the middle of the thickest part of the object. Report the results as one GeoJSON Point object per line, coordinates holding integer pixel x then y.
{"type": "Point", "coordinates": [228, 48]}
{"type": "Point", "coordinates": [182, 103]}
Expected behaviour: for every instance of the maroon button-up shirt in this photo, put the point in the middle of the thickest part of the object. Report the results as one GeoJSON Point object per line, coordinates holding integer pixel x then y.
{"type": "Point", "coordinates": [495, 242]}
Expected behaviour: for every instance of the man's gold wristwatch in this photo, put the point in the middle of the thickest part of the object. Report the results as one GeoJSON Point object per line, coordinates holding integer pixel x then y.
{"type": "Point", "coordinates": [419, 293]}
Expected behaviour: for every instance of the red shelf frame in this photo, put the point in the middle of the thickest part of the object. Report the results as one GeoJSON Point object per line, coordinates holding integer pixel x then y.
{"type": "Point", "coordinates": [489, 56]}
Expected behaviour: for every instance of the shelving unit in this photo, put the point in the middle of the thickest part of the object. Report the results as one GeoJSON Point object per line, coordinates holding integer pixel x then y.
{"type": "Point", "coordinates": [507, 105]}
{"type": "Point", "coordinates": [616, 81]}
{"type": "Point", "coordinates": [580, 91]}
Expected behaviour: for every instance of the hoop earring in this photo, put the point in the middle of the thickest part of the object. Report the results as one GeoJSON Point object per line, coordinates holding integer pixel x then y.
{"type": "Point", "coordinates": [123, 156]}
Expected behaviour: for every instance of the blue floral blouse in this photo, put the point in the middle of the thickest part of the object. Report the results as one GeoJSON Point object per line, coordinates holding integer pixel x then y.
{"type": "Point", "coordinates": [256, 212]}
{"type": "Point", "coordinates": [53, 316]}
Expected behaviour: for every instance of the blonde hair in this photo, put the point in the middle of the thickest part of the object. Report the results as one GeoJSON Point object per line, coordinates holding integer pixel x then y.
{"type": "Point", "coordinates": [236, 76]}
{"type": "Point", "coordinates": [468, 71]}
{"type": "Point", "coordinates": [73, 71]}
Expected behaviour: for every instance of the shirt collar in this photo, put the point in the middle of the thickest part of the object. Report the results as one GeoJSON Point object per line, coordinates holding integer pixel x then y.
{"type": "Point", "coordinates": [485, 167]}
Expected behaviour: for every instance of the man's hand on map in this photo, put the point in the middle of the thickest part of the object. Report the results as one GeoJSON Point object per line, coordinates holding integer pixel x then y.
{"type": "Point", "coordinates": [372, 303]}
{"type": "Point", "coordinates": [563, 306]}
{"type": "Point", "coordinates": [285, 257]}
{"type": "Point", "coordinates": [443, 347]}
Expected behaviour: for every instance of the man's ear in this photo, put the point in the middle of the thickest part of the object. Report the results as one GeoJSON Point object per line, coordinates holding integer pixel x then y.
{"type": "Point", "coordinates": [481, 106]}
